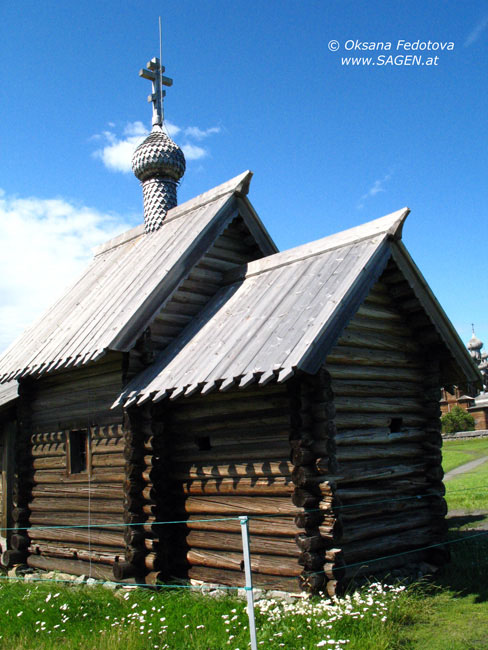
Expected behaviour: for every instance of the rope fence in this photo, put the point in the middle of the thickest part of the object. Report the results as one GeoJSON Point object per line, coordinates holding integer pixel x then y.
{"type": "Point", "coordinates": [251, 516]}
{"type": "Point", "coordinates": [244, 521]}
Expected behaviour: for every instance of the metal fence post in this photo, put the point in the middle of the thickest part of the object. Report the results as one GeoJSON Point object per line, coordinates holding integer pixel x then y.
{"type": "Point", "coordinates": [249, 591]}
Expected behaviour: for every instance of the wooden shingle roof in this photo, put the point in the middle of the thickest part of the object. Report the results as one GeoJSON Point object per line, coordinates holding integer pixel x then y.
{"type": "Point", "coordinates": [285, 312]}
{"type": "Point", "coordinates": [125, 285]}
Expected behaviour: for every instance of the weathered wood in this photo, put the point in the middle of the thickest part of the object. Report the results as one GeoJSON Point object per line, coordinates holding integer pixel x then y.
{"type": "Point", "coordinates": [11, 557]}
{"type": "Point", "coordinates": [272, 526]}
{"type": "Point", "coordinates": [66, 519]}
{"type": "Point", "coordinates": [374, 437]}
{"type": "Point", "coordinates": [238, 505]}
{"type": "Point", "coordinates": [389, 524]}
{"type": "Point", "coordinates": [252, 468]}
{"type": "Point", "coordinates": [267, 564]}
{"type": "Point", "coordinates": [48, 550]}
{"type": "Point", "coordinates": [260, 544]}
{"type": "Point", "coordinates": [75, 567]}
{"type": "Point", "coordinates": [376, 452]}
{"type": "Point", "coordinates": [75, 535]}
{"type": "Point", "coordinates": [275, 486]}
{"type": "Point", "coordinates": [234, 453]}
{"type": "Point", "coordinates": [69, 504]}
{"type": "Point", "coordinates": [237, 578]}
{"type": "Point", "coordinates": [373, 372]}
{"type": "Point", "coordinates": [97, 477]}
{"type": "Point", "coordinates": [375, 388]}
{"type": "Point", "coordinates": [92, 491]}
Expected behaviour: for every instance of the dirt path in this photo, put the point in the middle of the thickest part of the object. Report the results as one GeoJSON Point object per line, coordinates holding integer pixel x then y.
{"type": "Point", "coordinates": [467, 467]}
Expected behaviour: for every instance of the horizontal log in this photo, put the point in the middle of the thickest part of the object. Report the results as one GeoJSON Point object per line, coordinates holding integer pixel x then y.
{"type": "Point", "coordinates": [374, 528]}
{"type": "Point", "coordinates": [390, 405]}
{"type": "Point", "coordinates": [78, 505]}
{"type": "Point", "coordinates": [378, 341]}
{"type": "Point", "coordinates": [375, 452]}
{"type": "Point", "coordinates": [368, 549]}
{"type": "Point", "coordinates": [272, 526]}
{"type": "Point", "coordinates": [370, 472]}
{"type": "Point", "coordinates": [97, 477]}
{"type": "Point", "coordinates": [237, 579]}
{"type": "Point", "coordinates": [228, 453]}
{"type": "Point", "coordinates": [48, 550]}
{"type": "Point", "coordinates": [259, 563]}
{"type": "Point", "coordinates": [81, 535]}
{"type": "Point", "coordinates": [275, 486]}
{"type": "Point", "coordinates": [375, 388]}
{"type": "Point", "coordinates": [66, 519]}
{"type": "Point", "coordinates": [364, 323]}
{"type": "Point", "coordinates": [371, 491]}
{"type": "Point", "coordinates": [371, 310]}
{"type": "Point", "coordinates": [365, 356]}
{"type": "Point", "coordinates": [112, 461]}
{"type": "Point", "coordinates": [259, 544]}
{"type": "Point", "coordinates": [262, 420]}
{"type": "Point", "coordinates": [365, 420]}
{"type": "Point", "coordinates": [229, 437]}
{"type": "Point", "coordinates": [75, 567]}
{"type": "Point", "coordinates": [78, 491]}
{"type": "Point", "coordinates": [239, 505]}
{"type": "Point", "coordinates": [380, 435]}
{"type": "Point", "coordinates": [365, 508]}
{"type": "Point", "coordinates": [374, 372]}
{"type": "Point", "coordinates": [240, 404]}
{"type": "Point", "coordinates": [251, 468]}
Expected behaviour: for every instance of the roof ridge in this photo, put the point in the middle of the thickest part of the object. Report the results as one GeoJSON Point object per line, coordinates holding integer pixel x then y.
{"type": "Point", "coordinates": [239, 183]}
{"type": "Point", "coordinates": [390, 225]}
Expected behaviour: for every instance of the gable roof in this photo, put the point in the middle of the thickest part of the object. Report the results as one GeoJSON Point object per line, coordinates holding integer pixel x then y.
{"type": "Point", "coordinates": [126, 284]}
{"type": "Point", "coordinates": [284, 313]}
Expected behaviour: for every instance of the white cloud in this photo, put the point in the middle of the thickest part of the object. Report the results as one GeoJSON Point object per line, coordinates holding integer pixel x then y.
{"type": "Point", "coordinates": [46, 244]}
{"type": "Point", "coordinates": [377, 187]}
{"type": "Point", "coordinates": [476, 32]}
{"type": "Point", "coordinates": [116, 154]}
{"type": "Point", "coordinates": [193, 152]}
{"type": "Point", "coordinates": [198, 134]}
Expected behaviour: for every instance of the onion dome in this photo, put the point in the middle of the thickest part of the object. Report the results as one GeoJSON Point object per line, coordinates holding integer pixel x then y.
{"type": "Point", "coordinates": [158, 155]}
{"type": "Point", "coordinates": [158, 162]}
{"type": "Point", "coordinates": [474, 343]}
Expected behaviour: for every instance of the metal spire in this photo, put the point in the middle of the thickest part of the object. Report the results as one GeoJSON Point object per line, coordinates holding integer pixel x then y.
{"type": "Point", "coordinates": [155, 74]}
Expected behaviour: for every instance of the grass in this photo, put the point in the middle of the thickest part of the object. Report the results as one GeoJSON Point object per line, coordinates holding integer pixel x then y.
{"type": "Point", "coordinates": [450, 613]}
{"type": "Point", "coordinates": [458, 452]}
{"type": "Point", "coordinates": [468, 491]}
{"type": "Point", "coordinates": [43, 616]}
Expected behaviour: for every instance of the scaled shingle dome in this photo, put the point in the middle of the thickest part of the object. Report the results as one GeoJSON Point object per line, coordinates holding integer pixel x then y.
{"type": "Point", "coordinates": [158, 155]}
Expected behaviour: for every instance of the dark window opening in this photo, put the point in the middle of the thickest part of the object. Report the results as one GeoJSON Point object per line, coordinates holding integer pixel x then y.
{"type": "Point", "coordinates": [78, 452]}
{"type": "Point", "coordinates": [396, 425]}
{"type": "Point", "coordinates": [203, 443]}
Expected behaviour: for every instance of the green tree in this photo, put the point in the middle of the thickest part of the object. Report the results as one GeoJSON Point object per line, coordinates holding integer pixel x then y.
{"type": "Point", "coordinates": [457, 420]}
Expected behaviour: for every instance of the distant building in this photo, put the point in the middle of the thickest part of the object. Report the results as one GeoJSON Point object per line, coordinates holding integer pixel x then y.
{"type": "Point", "coordinates": [477, 405]}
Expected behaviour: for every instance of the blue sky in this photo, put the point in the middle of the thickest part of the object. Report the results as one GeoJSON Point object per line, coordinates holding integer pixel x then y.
{"type": "Point", "coordinates": [255, 87]}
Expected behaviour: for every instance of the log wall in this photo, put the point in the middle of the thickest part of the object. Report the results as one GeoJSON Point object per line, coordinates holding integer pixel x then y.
{"type": "Point", "coordinates": [386, 390]}
{"type": "Point", "coordinates": [229, 455]}
{"type": "Point", "coordinates": [47, 495]}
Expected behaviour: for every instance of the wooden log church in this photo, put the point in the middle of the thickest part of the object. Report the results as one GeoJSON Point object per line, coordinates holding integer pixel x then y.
{"type": "Point", "coordinates": [194, 373]}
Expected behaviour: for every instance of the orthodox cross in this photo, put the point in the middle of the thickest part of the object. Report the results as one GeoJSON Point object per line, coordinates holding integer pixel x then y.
{"type": "Point", "coordinates": [155, 74]}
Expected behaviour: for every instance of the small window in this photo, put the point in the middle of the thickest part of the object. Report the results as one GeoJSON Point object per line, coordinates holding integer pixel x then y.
{"type": "Point", "coordinates": [203, 443]}
{"type": "Point", "coordinates": [396, 425]}
{"type": "Point", "coordinates": [78, 451]}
